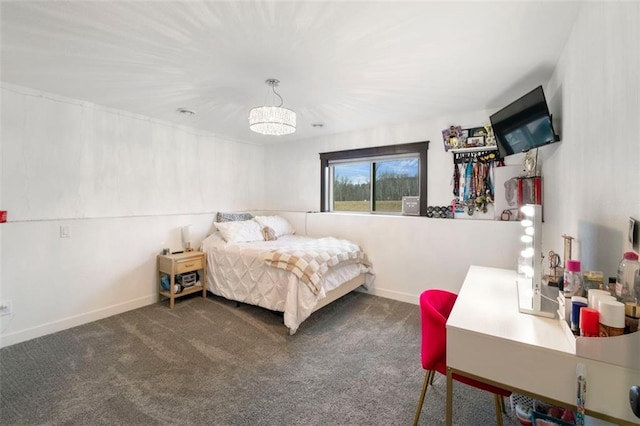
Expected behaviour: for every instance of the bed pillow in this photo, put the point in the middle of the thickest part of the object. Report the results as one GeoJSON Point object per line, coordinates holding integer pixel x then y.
{"type": "Point", "coordinates": [240, 231]}
{"type": "Point", "coordinates": [279, 224]}
{"type": "Point", "coordinates": [232, 217]}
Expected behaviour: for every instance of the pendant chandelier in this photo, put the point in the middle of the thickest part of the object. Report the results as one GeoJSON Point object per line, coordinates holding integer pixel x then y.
{"type": "Point", "coordinates": [272, 120]}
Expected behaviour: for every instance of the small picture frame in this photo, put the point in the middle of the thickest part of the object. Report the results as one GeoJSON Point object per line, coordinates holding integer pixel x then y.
{"type": "Point", "coordinates": [477, 131]}
{"type": "Point", "coordinates": [452, 138]}
{"type": "Point", "coordinates": [473, 141]}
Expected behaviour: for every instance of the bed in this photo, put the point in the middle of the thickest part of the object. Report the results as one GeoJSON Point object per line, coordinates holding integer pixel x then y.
{"type": "Point", "coordinates": [260, 261]}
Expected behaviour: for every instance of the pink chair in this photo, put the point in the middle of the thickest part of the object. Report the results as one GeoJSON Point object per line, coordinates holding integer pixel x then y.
{"type": "Point", "coordinates": [435, 307]}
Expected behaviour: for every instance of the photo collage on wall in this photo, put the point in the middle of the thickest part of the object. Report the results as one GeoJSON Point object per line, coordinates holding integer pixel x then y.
{"type": "Point", "coordinates": [455, 137]}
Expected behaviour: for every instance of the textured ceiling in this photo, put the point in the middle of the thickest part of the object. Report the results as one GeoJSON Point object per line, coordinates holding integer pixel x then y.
{"type": "Point", "coordinates": [349, 65]}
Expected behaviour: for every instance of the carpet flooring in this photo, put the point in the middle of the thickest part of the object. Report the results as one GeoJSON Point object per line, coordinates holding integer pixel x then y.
{"type": "Point", "coordinates": [211, 362]}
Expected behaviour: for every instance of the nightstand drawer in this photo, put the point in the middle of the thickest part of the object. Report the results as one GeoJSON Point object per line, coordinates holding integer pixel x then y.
{"type": "Point", "coordinates": [188, 265]}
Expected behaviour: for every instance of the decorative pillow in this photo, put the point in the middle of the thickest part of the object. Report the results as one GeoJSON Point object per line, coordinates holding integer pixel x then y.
{"type": "Point", "coordinates": [232, 217]}
{"type": "Point", "coordinates": [269, 234]}
{"type": "Point", "coordinates": [240, 231]}
{"type": "Point", "coordinates": [279, 224]}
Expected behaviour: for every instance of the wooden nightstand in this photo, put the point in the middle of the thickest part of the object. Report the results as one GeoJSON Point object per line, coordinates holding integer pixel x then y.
{"type": "Point", "coordinates": [172, 264]}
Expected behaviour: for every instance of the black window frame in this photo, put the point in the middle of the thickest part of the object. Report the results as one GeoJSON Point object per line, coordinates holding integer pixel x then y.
{"type": "Point", "coordinates": [420, 148]}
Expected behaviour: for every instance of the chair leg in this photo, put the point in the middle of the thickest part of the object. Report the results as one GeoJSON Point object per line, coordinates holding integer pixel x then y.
{"type": "Point", "coordinates": [428, 376]}
{"type": "Point", "coordinates": [433, 374]}
{"type": "Point", "coordinates": [499, 404]}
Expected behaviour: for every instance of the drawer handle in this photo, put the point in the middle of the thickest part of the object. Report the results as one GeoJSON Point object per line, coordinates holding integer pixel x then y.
{"type": "Point", "coordinates": [189, 265]}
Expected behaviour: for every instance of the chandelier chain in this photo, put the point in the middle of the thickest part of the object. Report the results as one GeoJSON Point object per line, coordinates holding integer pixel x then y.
{"type": "Point", "coordinates": [273, 83]}
{"type": "Point", "coordinates": [278, 95]}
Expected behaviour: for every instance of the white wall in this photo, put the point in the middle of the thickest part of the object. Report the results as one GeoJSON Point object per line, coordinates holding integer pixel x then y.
{"type": "Point", "coordinates": [592, 177]}
{"type": "Point", "coordinates": [123, 184]}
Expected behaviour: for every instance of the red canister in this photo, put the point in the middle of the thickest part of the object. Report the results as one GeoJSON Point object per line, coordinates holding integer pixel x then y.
{"type": "Point", "coordinates": [589, 322]}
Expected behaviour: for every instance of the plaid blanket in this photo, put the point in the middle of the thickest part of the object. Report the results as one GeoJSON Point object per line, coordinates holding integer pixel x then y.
{"type": "Point", "coordinates": [310, 260]}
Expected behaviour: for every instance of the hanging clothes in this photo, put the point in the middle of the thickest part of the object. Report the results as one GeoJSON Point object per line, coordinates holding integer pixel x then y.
{"type": "Point", "coordinates": [473, 180]}
{"type": "Point", "coordinates": [468, 182]}
{"type": "Point", "coordinates": [456, 180]}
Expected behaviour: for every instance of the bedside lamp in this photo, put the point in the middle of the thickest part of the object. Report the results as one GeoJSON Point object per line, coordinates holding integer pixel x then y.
{"type": "Point", "coordinates": [186, 238]}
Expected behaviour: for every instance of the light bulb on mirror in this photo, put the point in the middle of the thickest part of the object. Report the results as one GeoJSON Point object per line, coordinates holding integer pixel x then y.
{"type": "Point", "coordinates": [527, 253]}
{"type": "Point", "coordinates": [527, 271]}
{"type": "Point", "coordinates": [528, 210]}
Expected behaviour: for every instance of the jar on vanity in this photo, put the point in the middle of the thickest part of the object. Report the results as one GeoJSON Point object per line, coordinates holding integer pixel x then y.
{"type": "Point", "coordinates": [628, 289]}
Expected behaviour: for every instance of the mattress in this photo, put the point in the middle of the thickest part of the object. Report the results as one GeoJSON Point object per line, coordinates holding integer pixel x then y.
{"type": "Point", "coordinates": [237, 271]}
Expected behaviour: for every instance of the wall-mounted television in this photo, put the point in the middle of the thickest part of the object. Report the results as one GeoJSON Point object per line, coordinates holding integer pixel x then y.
{"type": "Point", "coordinates": [524, 124]}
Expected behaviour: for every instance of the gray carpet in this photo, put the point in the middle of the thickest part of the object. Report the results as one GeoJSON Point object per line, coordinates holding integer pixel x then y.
{"type": "Point", "coordinates": [354, 362]}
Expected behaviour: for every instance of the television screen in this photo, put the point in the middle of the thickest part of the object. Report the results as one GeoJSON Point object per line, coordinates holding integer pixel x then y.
{"type": "Point", "coordinates": [524, 124]}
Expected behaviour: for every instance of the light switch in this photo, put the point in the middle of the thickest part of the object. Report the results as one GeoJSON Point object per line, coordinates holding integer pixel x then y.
{"type": "Point", "coordinates": [634, 233]}
{"type": "Point", "coordinates": [64, 231]}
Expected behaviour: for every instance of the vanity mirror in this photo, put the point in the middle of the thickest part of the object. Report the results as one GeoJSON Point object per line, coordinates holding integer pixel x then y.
{"type": "Point", "coordinates": [534, 297]}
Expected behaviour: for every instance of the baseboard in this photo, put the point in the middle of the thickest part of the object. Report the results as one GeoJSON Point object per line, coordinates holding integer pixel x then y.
{"type": "Point", "coordinates": [393, 295]}
{"type": "Point", "coordinates": [74, 321]}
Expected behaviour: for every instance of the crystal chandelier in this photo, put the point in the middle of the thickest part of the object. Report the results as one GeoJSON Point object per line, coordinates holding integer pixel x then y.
{"type": "Point", "coordinates": [272, 120]}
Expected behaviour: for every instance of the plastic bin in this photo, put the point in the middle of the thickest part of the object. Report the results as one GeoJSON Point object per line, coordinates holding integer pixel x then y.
{"type": "Point", "coordinates": [540, 419]}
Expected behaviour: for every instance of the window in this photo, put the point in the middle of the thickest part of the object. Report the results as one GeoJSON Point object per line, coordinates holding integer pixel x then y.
{"type": "Point", "coordinates": [374, 179]}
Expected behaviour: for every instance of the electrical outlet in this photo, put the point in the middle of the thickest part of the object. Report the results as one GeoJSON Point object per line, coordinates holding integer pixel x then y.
{"type": "Point", "coordinates": [64, 231]}
{"type": "Point", "coordinates": [6, 308]}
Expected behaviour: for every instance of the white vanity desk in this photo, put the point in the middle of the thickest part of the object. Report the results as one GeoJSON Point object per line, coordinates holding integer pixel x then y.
{"type": "Point", "coordinates": [489, 339]}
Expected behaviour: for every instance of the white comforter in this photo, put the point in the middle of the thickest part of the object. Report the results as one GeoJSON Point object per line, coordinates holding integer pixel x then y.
{"type": "Point", "coordinates": [237, 271]}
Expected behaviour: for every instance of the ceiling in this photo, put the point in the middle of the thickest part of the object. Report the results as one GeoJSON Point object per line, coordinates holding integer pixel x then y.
{"type": "Point", "coordinates": [348, 65]}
